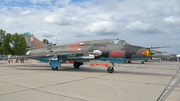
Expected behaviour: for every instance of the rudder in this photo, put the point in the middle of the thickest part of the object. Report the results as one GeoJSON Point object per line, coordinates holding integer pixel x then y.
{"type": "Point", "coordinates": [32, 41]}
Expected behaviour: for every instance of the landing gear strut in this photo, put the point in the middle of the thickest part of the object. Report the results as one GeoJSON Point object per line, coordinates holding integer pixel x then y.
{"type": "Point", "coordinates": [110, 69]}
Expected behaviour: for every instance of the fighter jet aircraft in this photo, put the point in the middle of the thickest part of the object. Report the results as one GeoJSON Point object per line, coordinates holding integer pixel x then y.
{"type": "Point", "coordinates": [161, 54]}
{"type": "Point", "coordinates": [106, 50]}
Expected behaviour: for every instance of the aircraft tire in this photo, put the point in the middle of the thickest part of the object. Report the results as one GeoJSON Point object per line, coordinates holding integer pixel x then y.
{"type": "Point", "coordinates": [76, 65]}
{"type": "Point", "coordinates": [142, 62]}
{"type": "Point", "coordinates": [54, 68]}
{"type": "Point", "coordinates": [110, 70]}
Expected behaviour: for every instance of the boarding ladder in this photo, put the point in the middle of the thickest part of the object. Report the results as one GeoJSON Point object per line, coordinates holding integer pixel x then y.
{"type": "Point", "coordinates": [163, 96]}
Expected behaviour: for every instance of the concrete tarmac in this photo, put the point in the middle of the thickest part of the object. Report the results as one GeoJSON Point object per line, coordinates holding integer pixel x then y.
{"type": "Point", "coordinates": [35, 81]}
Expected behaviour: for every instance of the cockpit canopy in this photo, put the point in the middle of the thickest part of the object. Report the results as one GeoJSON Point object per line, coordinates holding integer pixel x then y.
{"type": "Point", "coordinates": [104, 41]}
{"type": "Point", "coordinates": [117, 41]}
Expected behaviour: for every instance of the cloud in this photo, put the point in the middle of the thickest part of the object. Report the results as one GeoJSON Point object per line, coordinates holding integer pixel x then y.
{"type": "Point", "coordinates": [143, 28]}
{"type": "Point", "coordinates": [62, 2]}
{"type": "Point", "coordinates": [177, 9]}
{"type": "Point", "coordinates": [62, 21]}
{"type": "Point", "coordinates": [51, 2]}
{"type": "Point", "coordinates": [102, 28]}
{"type": "Point", "coordinates": [45, 34]}
{"type": "Point", "coordinates": [49, 19]}
{"type": "Point", "coordinates": [172, 19]}
{"type": "Point", "coordinates": [40, 1]}
{"type": "Point", "coordinates": [10, 21]}
{"type": "Point", "coordinates": [27, 12]}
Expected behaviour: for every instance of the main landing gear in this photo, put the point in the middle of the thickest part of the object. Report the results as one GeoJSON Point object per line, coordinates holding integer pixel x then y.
{"type": "Point", "coordinates": [54, 68]}
{"type": "Point", "coordinates": [77, 64]}
{"type": "Point", "coordinates": [110, 69]}
{"type": "Point", "coordinates": [54, 64]}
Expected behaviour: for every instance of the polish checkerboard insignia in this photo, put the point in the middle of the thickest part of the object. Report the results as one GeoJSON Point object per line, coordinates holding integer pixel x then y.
{"type": "Point", "coordinates": [32, 38]}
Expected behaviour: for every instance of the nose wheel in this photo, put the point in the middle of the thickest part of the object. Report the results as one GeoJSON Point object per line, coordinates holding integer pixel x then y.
{"type": "Point", "coordinates": [110, 69]}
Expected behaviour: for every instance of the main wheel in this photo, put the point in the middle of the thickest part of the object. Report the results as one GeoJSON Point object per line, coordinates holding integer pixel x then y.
{"type": "Point", "coordinates": [54, 68]}
{"type": "Point", "coordinates": [110, 70]}
{"type": "Point", "coordinates": [76, 65]}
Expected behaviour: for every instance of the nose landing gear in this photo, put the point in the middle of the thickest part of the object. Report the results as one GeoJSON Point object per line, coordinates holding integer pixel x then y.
{"type": "Point", "coordinates": [110, 69]}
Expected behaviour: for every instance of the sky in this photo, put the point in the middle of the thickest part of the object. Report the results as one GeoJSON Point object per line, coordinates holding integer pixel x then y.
{"type": "Point", "coordinates": [138, 22]}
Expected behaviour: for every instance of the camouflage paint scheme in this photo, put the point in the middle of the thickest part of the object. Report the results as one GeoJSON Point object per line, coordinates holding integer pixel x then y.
{"type": "Point", "coordinates": [84, 51]}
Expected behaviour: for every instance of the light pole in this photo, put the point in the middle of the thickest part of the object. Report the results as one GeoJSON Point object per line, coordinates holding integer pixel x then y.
{"type": "Point", "coordinates": [58, 37]}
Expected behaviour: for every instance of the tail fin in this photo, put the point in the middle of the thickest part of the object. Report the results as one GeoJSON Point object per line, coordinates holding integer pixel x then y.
{"type": "Point", "coordinates": [33, 42]}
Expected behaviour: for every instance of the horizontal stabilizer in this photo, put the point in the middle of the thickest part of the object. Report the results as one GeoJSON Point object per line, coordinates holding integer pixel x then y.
{"type": "Point", "coordinates": [156, 47]}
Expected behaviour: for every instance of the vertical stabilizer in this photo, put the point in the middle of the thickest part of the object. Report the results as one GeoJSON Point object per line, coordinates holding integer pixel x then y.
{"type": "Point", "coordinates": [32, 41]}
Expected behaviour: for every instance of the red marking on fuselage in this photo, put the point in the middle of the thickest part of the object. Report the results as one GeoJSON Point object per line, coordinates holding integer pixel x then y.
{"type": "Point", "coordinates": [75, 46]}
{"type": "Point", "coordinates": [116, 53]}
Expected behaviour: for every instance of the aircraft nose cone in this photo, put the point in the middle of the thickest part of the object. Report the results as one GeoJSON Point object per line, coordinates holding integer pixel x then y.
{"type": "Point", "coordinates": [146, 53]}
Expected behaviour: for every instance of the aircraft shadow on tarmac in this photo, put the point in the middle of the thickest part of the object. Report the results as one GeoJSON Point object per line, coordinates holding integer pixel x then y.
{"type": "Point", "coordinates": [84, 69]}
{"type": "Point", "coordinates": [63, 68]}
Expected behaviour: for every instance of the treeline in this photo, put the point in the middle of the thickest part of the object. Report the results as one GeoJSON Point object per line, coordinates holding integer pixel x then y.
{"type": "Point", "coordinates": [14, 44]}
